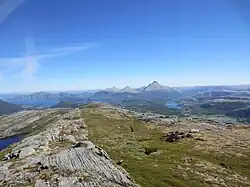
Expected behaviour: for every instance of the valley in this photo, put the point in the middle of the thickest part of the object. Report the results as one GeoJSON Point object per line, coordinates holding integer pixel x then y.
{"type": "Point", "coordinates": [229, 101]}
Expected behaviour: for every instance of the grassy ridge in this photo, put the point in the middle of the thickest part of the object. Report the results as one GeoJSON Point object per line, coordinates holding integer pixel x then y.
{"type": "Point", "coordinates": [116, 138]}
{"type": "Point", "coordinates": [162, 168]}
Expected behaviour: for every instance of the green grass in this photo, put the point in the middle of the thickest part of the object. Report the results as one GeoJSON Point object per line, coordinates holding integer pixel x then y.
{"type": "Point", "coordinates": [161, 168]}
{"type": "Point", "coordinates": [115, 137]}
{"type": "Point", "coordinates": [157, 169]}
{"type": "Point", "coordinates": [4, 152]}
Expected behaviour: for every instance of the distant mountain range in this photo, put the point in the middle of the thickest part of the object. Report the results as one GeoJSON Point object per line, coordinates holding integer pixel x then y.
{"type": "Point", "coordinates": [154, 86]}
{"type": "Point", "coordinates": [152, 92]}
{"type": "Point", "coordinates": [197, 89]}
{"type": "Point", "coordinates": [51, 96]}
{"type": "Point", "coordinates": [225, 100]}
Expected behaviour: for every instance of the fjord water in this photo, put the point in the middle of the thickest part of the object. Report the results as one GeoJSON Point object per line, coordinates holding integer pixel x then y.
{"type": "Point", "coordinates": [8, 141]}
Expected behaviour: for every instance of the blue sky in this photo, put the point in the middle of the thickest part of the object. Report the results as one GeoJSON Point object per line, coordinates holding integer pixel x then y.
{"type": "Point", "coordinates": [89, 44]}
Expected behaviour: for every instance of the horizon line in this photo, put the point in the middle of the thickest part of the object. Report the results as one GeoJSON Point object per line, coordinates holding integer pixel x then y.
{"type": "Point", "coordinates": [102, 89]}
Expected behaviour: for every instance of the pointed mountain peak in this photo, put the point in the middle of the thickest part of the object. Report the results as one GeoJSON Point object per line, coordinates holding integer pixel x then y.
{"type": "Point", "coordinates": [155, 83]}
{"type": "Point", "coordinates": [128, 89]}
{"type": "Point", "coordinates": [155, 86]}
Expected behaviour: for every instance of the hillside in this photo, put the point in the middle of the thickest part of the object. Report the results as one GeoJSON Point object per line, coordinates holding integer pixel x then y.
{"type": "Point", "coordinates": [7, 108]}
{"type": "Point", "coordinates": [217, 156]}
{"type": "Point", "coordinates": [65, 104]}
{"type": "Point", "coordinates": [213, 155]}
{"type": "Point", "coordinates": [58, 153]}
{"type": "Point", "coordinates": [242, 114]}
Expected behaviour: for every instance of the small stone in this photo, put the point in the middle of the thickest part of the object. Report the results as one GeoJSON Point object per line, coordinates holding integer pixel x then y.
{"type": "Point", "coordinates": [27, 151]}
{"type": "Point", "coordinates": [200, 139]}
{"type": "Point", "coordinates": [225, 166]}
{"type": "Point", "coordinates": [189, 136]}
{"type": "Point", "coordinates": [87, 144]}
{"type": "Point", "coordinates": [78, 144]}
{"type": "Point", "coordinates": [194, 131]}
{"type": "Point", "coordinates": [119, 162]}
{"type": "Point", "coordinates": [70, 138]}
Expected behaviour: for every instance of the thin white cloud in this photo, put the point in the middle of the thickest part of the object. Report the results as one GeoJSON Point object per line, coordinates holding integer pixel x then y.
{"type": "Point", "coordinates": [7, 7]}
{"type": "Point", "coordinates": [74, 47]}
{"type": "Point", "coordinates": [26, 66]}
{"type": "Point", "coordinates": [66, 50]}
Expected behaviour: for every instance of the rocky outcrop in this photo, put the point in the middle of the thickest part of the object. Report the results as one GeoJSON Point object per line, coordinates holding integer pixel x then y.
{"type": "Point", "coordinates": [61, 155]}
{"type": "Point", "coordinates": [27, 121]}
{"type": "Point", "coordinates": [175, 136]}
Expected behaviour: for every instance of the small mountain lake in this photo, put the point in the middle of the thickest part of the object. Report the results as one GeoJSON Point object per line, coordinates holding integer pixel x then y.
{"type": "Point", "coordinates": [173, 105]}
{"type": "Point", "coordinates": [8, 141]}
